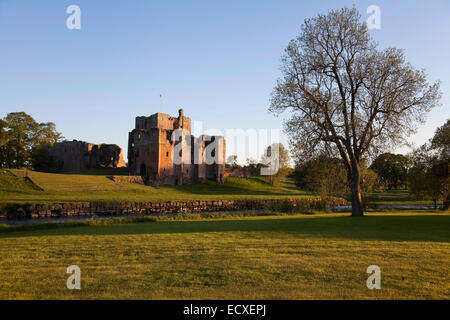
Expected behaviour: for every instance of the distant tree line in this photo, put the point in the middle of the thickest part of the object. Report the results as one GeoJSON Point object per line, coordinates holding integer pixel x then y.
{"type": "Point", "coordinates": [23, 141]}
{"type": "Point", "coordinates": [254, 167]}
{"type": "Point", "coordinates": [424, 172]}
{"type": "Point", "coordinates": [328, 177]}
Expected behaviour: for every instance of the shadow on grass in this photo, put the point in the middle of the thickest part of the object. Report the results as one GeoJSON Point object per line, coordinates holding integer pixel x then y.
{"type": "Point", "coordinates": [383, 228]}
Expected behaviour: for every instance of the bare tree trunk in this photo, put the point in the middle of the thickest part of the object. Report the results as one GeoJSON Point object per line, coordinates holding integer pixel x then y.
{"type": "Point", "coordinates": [357, 205]}
{"type": "Point", "coordinates": [447, 202]}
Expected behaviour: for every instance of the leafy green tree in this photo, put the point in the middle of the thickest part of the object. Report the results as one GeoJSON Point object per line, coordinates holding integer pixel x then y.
{"type": "Point", "coordinates": [252, 166]}
{"type": "Point", "coordinates": [428, 176]}
{"type": "Point", "coordinates": [440, 144]}
{"type": "Point", "coordinates": [392, 170]}
{"type": "Point", "coordinates": [283, 162]}
{"type": "Point", "coordinates": [232, 162]}
{"type": "Point", "coordinates": [3, 133]}
{"type": "Point", "coordinates": [327, 176]}
{"type": "Point", "coordinates": [41, 160]}
{"type": "Point", "coordinates": [323, 175]}
{"type": "Point", "coordinates": [369, 178]}
{"type": "Point", "coordinates": [46, 136]}
{"type": "Point", "coordinates": [347, 97]}
{"type": "Point", "coordinates": [22, 130]}
{"type": "Point", "coordinates": [5, 154]}
{"type": "Point", "coordinates": [441, 141]}
{"type": "Point", "coordinates": [23, 138]}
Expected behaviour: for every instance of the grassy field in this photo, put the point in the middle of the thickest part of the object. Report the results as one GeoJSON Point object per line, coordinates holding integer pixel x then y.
{"type": "Point", "coordinates": [281, 257]}
{"type": "Point", "coordinates": [393, 197]}
{"type": "Point", "coordinates": [51, 188]}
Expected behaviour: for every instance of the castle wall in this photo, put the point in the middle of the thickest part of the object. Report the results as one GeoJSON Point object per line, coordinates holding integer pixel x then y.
{"type": "Point", "coordinates": [144, 153]}
{"type": "Point", "coordinates": [80, 155]}
{"type": "Point", "coordinates": [151, 148]}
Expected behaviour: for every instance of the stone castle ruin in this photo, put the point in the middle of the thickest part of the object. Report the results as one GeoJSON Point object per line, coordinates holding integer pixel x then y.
{"type": "Point", "coordinates": [162, 150]}
{"type": "Point", "coordinates": [80, 155]}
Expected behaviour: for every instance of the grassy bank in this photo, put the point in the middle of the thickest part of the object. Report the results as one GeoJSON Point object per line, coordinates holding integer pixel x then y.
{"type": "Point", "coordinates": [278, 257]}
{"type": "Point", "coordinates": [19, 187]}
{"type": "Point", "coordinates": [41, 187]}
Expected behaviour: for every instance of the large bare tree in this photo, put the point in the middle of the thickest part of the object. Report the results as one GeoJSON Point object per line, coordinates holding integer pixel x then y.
{"type": "Point", "coordinates": [346, 96]}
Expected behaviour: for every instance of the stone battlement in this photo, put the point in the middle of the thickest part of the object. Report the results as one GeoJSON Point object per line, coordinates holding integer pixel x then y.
{"type": "Point", "coordinates": [163, 121]}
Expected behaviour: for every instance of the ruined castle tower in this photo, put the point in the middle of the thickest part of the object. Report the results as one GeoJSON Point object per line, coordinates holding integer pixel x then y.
{"type": "Point", "coordinates": [152, 148]}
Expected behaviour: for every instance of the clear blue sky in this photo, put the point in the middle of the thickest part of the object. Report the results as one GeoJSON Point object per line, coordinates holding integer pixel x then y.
{"type": "Point", "coordinates": [219, 60]}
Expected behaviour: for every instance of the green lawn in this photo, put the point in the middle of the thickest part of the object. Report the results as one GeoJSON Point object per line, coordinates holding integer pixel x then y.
{"type": "Point", "coordinates": [53, 188]}
{"type": "Point", "coordinates": [393, 197]}
{"type": "Point", "coordinates": [323, 256]}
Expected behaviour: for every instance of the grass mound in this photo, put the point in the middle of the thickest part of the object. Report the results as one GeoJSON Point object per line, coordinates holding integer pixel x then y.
{"type": "Point", "coordinates": [91, 187]}
{"type": "Point", "coordinates": [10, 182]}
{"type": "Point", "coordinates": [69, 182]}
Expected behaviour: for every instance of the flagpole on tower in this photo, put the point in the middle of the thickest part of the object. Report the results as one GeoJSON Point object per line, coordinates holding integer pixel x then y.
{"type": "Point", "coordinates": [161, 102]}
